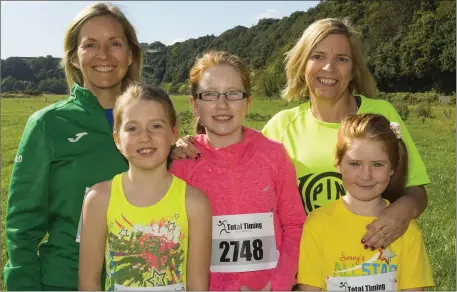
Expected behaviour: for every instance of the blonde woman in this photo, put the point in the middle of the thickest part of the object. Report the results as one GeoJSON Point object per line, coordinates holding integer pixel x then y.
{"type": "Point", "coordinates": [327, 65]}
{"type": "Point", "coordinates": [66, 148]}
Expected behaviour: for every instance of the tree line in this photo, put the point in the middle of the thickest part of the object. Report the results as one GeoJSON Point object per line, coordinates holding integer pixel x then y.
{"type": "Point", "coordinates": [409, 46]}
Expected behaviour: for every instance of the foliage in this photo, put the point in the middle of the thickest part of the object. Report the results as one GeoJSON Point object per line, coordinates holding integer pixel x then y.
{"type": "Point", "coordinates": [452, 99]}
{"type": "Point", "coordinates": [424, 112]}
{"type": "Point", "coordinates": [402, 109]}
{"type": "Point", "coordinates": [409, 46]}
{"type": "Point", "coordinates": [409, 98]}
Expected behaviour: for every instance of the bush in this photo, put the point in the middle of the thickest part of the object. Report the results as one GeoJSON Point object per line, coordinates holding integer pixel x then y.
{"type": "Point", "coordinates": [184, 89]}
{"type": "Point", "coordinates": [452, 99]}
{"type": "Point", "coordinates": [447, 113]}
{"type": "Point", "coordinates": [425, 112]}
{"type": "Point", "coordinates": [402, 109]}
{"type": "Point", "coordinates": [174, 88]}
{"type": "Point", "coordinates": [32, 92]}
{"type": "Point", "coordinates": [186, 123]}
{"type": "Point", "coordinates": [409, 98]}
{"type": "Point", "coordinates": [256, 117]}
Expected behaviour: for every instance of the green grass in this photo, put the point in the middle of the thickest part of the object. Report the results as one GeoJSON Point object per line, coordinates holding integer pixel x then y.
{"type": "Point", "coordinates": [435, 139]}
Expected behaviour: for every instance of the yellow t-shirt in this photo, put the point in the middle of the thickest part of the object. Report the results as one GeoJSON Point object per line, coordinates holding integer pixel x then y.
{"type": "Point", "coordinates": [311, 145]}
{"type": "Point", "coordinates": [147, 246]}
{"type": "Point", "coordinates": [333, 258]}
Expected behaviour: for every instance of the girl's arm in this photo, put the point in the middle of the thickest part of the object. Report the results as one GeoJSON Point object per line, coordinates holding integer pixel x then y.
{"type": "Point", "coordinates": [304, 287]}
{"type": "Point", "coordinates": [292, 216]}
{"type": "Point", "coordinates": [27, 209]}
{"type": "Point", "coordinates": [93, 237]}
{"type": "Point", "coordinates": [200, 228]}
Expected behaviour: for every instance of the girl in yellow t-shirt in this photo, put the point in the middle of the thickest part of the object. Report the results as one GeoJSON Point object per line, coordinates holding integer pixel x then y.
{"type": "Point", "coordinates": [372, 159]}
{"type": "Point", "coordinates": [152, 229]}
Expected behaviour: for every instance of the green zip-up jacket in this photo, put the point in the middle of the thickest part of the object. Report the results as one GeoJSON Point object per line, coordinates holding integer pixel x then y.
{"type": "Point", "coordinates": [65, 148]}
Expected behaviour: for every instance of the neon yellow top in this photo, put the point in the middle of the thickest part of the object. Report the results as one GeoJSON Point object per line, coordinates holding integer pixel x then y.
{"type": "Point", "coordinates": [331, 253]}
{"type": "Point", "coordinates": [147, 246]}
{"type": "Point", "coordinates": [311, 145]}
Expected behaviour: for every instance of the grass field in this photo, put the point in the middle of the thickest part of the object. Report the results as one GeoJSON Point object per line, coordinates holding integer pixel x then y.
{"type": "Point", "coordinates": [435, 139]}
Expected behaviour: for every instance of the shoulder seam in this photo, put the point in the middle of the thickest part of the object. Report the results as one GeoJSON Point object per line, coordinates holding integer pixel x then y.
{"type": "Point", "coordinates": [45, 112]}
{"type": "Point", "coordinates": [300, 112]}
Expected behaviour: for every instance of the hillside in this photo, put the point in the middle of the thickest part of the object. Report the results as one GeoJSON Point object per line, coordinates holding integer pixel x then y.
{"type": "Point", "coordinates": [409, 45]}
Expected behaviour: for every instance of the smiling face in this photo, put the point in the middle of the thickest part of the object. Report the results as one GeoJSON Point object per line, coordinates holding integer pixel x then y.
{"type": "Point", "coordinates": [103, 55]}
{"type": "Point", "coordinates": [329, 68]}
{"type": "Point", "coordinates": [145, 134]}
{"type": "Point", "coordinates": [221, 118]}
{"type": "Point", "coordinates": [365, 169]}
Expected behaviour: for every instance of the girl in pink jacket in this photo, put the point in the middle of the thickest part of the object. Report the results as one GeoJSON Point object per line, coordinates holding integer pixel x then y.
{"type": "Point", "coordinates": [250, 180]}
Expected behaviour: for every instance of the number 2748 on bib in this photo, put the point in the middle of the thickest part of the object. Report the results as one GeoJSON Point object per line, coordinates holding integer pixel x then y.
{"type": "Point", "coordinates": [245, 251]}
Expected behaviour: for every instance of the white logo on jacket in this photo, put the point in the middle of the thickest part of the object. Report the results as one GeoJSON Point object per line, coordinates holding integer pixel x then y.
{"type": "Point", "coordinates": [77, 138]}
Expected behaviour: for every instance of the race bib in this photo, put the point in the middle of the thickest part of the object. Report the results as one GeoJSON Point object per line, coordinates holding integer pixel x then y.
{"type": "Point", "coordinates": [243, 243]}
{"type": "Point", "coordinates": [78, 233]}
{"type": "Point", "coordinates": [174, 287]}
{"type": "Point", "coordinates": [378, 282]}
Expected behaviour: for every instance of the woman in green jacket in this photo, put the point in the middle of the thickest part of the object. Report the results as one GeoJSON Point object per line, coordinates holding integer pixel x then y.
{"type": "Point", "coordinates": [66, 148]}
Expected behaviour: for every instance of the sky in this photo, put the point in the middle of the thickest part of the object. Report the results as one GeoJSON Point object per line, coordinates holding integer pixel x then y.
{"type": "Point", "coordinates": [36, 28]}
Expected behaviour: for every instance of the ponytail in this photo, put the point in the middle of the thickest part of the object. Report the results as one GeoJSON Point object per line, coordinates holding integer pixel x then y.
{"type": "Point", "coordinates": [396, 186]}
{"type": "Point", "coordinates": [199, 128]}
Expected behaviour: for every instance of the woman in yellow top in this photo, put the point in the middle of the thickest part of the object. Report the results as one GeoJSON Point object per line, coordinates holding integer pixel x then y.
{"type": "Point", "coordinates": [152, 229]}
{"type": "Point", "coordinates": [372, 159]}
{"type": "Point", "coordinates": [327, 65]}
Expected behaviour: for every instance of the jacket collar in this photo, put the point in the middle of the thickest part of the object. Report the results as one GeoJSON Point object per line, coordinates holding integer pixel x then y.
{"type": "Point", "coordinates": [83, 96]}
{"type": "Point", "coordinates": [237, 154]}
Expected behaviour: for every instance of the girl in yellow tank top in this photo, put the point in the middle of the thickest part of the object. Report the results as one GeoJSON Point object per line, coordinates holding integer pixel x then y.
{"type": "Point", "coordinates": [151, 228]}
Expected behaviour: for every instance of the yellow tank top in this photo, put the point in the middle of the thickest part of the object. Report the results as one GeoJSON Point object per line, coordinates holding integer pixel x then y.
{"type": "Point", "coordinates": [146, 247]}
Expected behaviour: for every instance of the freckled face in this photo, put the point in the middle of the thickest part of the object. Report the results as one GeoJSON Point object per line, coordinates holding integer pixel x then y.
{"type": "Point", "coordinates": [145, 134]}
{"type": "Point", "coordinates": [366, 169]}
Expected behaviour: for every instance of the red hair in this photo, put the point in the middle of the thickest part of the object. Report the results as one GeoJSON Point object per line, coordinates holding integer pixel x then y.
{"type": "Point", "coordinates": [376, 128]}
{"type": "Point", "coordinates": [211, 59]}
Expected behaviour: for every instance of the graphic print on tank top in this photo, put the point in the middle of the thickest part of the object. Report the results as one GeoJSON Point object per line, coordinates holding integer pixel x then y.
{"type": "Point", "coordinates": [146, 255]}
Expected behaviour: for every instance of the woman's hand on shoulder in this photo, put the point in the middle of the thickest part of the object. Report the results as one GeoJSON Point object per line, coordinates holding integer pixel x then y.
{"type": "Point", "coordinates": [392, 223]}
{"type": "Point", "coordinates": [185, 149]}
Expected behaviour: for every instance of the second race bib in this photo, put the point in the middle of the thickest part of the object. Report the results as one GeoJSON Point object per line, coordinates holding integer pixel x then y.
{"type": "Point", "coordinates": [378, 282]}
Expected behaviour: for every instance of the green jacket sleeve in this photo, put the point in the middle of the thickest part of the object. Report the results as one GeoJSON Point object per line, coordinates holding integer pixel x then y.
{"type": "Point", "coordinates": [27, 210]}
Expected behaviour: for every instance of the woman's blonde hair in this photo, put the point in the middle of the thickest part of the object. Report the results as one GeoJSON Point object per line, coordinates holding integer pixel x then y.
{"type": "Point", "coordinates": [362, 81]}
{"type": "Point", "coordinates": [72, 73]}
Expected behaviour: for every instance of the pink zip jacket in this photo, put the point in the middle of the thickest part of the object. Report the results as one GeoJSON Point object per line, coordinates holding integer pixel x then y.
{"type": "Point", "coordinates": [253, 176]}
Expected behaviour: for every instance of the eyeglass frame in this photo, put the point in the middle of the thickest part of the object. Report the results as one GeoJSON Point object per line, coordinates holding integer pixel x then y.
{"type": "Point", "coordinates": [199, 95]}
